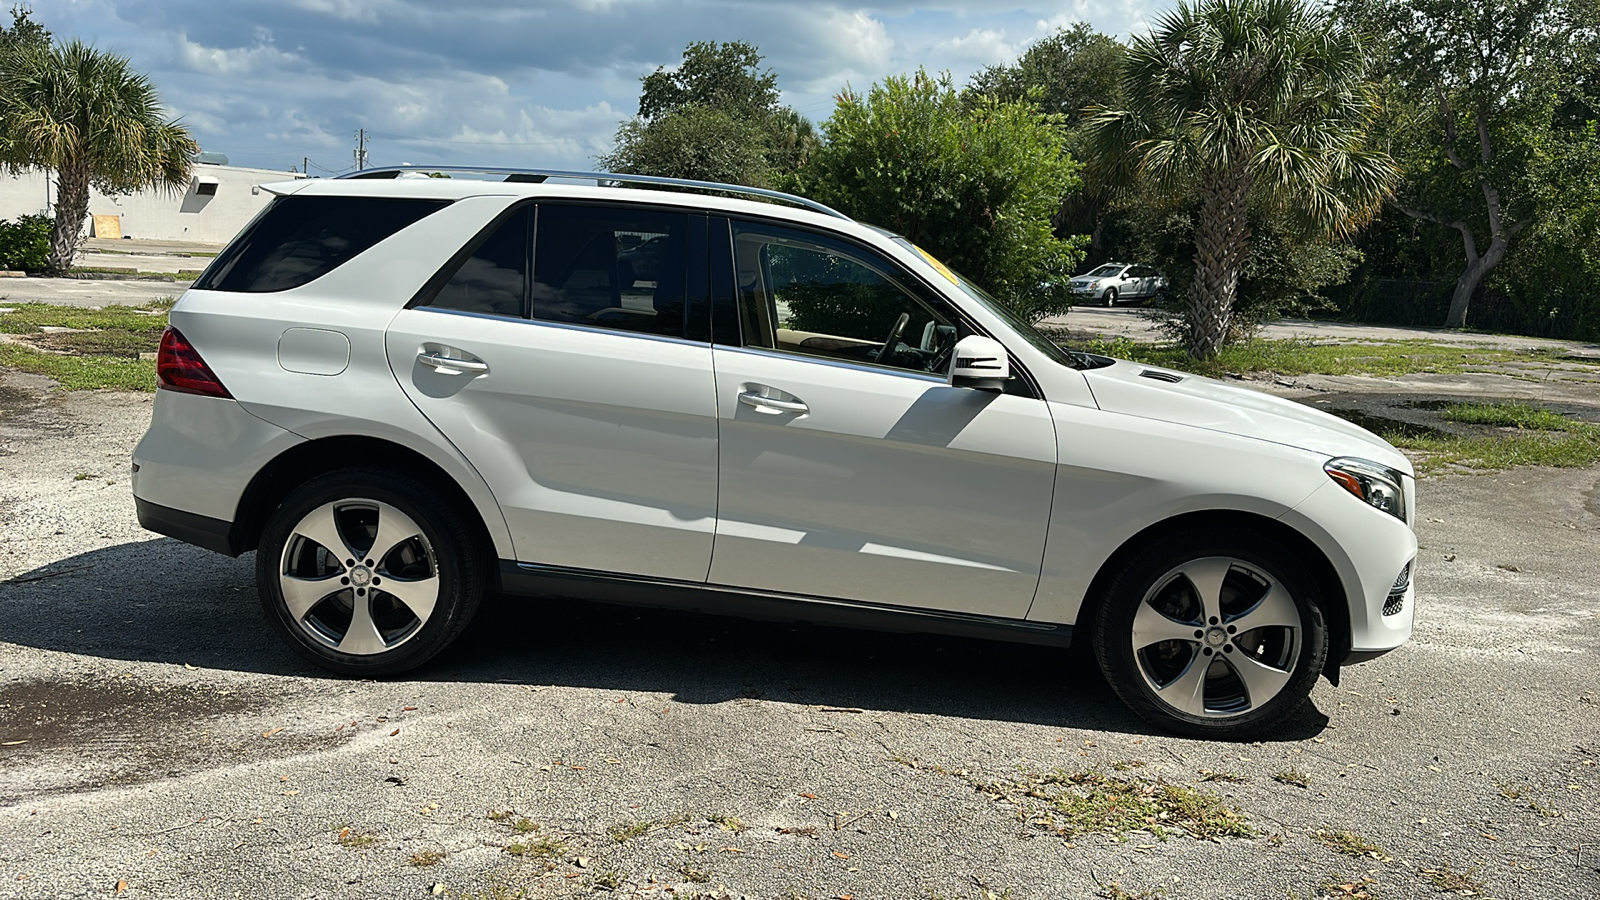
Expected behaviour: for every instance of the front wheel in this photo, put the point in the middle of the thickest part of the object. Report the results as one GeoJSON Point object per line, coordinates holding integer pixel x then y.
{"type": "Point", "coordinates": [366, 572]}
{"type": "Point", "coordinates": [1212, 634]}
{"type": "Point", "coordinates": [1110, 297]}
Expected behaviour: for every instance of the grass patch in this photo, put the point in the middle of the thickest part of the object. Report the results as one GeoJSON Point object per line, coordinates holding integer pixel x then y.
{"type": "Point", "coordinates": [102, 354]}
{"type": "Point", "coordinates": [1452, 882]}
{"type": "Point", "coordinates": [1297, 356]}
{"type": "Point", "coordinates": [1292, 777]}
{"type": "Point", "coordinates": [1226, 777]}
{"type": "Point", "coordinates": [425, 858]}
{"type": "Point", "coordinates": [1516, 435]}
{"type": "Point", "coordinates": [1351, 844]}
{"type": "Point", "coordinates": [543, 848]}
{"type": "Point", "coordinates": [82, 373]}
{"type": "Point", "coordinates": [524, 826]}
{"type": "Point", "coordinates": [728, 823]}
{"type": "Point", "coordinates": [1092, 802]}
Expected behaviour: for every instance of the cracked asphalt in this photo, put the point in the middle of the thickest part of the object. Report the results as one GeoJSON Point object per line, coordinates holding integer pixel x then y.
{"type": "Point", "coordinates": [156, 739]}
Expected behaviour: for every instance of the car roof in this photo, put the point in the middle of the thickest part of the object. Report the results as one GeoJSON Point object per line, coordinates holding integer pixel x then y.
{"type": "Point", "coordinates": [460, 182]}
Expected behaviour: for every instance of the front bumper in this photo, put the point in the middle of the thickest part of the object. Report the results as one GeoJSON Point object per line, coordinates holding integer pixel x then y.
{"type": "Point", "coordinates": [1368, 549]}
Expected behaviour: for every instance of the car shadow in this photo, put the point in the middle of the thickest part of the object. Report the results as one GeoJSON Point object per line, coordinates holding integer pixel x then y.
{"type": "Point", "coordinates": [162, 601]}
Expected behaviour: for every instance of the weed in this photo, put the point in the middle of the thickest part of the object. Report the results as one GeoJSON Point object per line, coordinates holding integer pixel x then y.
{"type": "Point", "coordinates": [1093, 802]}
{"type": "Point", "coordinates": [1507, 415]}
{"type": "Point", "coordinates": [84, 476]}
{"type": "Point", "coordinates": [728, 823]}
{"type": "Point", "coordinates": [608, 880]}
{"type": "Point", "coordinates": [543, 848]}
{"type": "Point", "coordinates": [1292, 777]}
{"type": "Point", "coordinates": [802, 830]}
{"type": "Point", "coordinates": [1447, 879]}
{"type": "Point", "coordinates": [1126, 764]}
{"type": "Point", "coordinates": [524, 826]}
{"type": "Point", "coordinates": [500, 815]}
{"type": "Point", "coordinates": [1351, 844]}
{"type": "Point", "coordinates": [694, 875]}
{"type": "Point", "coordinates": [350, 838]}
{"type": "Point", "coordinates": [626, 831]}
{"type": "Point", "coordinates": [424, 858]}
{"type": "Point", "coordinates": [1228, 777]}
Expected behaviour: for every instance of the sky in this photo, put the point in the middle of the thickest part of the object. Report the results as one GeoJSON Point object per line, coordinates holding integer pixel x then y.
{"type": "Point", "coordinates": [533, 83]}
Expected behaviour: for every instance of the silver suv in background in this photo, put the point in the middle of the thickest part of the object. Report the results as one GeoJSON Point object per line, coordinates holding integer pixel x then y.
{"type": "Point", "coordinates": [1116, 282]}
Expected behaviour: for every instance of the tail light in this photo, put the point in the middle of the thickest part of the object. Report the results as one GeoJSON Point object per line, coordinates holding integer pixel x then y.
{"type": "Point", "coordinates": [180, 368]}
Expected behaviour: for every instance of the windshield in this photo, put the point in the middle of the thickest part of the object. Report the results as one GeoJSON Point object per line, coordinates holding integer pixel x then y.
{"type": "Point", "coordinates": [1021, 326]}
{"type": "Point", "coordinates": [1104, 271]}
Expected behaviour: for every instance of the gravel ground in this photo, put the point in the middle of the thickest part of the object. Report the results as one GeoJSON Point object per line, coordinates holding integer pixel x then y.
{"type": "Point", "coordinates": [156, 740]}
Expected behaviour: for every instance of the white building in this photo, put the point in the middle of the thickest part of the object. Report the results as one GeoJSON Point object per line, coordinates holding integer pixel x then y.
{"type": "Point", "coordinates": [219, 201]}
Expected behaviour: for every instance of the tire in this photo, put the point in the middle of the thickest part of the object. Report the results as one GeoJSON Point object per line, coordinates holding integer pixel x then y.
{"type": "Point", "coordinates": [1260, 643]}
{"type": "Point", "coordinates": [320, 602]}
{"type": "Point", "coordinates": [1159, 298]}
{"type": "Point", "coordinates": [1110, 297]}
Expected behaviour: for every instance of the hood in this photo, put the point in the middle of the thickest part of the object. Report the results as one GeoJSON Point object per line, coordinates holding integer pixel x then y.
{"type": "Point", "coordinates": [1171, 396]}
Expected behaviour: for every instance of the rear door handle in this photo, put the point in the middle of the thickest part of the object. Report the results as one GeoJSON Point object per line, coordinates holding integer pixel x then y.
{"type": "Point", "coordinates": [771, 404]}
{"type": "Point", "coordinates": [448, 365]}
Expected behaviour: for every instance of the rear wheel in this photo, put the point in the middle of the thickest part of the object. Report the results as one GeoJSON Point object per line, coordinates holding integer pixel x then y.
{"type": "Point", "coordinates": [1213, 634]}
{"type": "Point", "coordinates": [366, 572]}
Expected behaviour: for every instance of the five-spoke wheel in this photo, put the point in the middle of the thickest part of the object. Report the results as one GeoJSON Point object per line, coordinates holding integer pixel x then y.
{"type": "Point", "coordinates": [1214, 634]}
{"type": "Point", "coordinates": [367, 572]}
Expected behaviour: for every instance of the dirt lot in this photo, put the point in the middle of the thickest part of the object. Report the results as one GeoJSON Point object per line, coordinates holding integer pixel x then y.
{"type": "Point", "coordinates": [156, 740]}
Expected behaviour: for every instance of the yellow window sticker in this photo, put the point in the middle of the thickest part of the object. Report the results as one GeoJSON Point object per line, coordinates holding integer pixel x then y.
{"type": "Point", "coordinates": [941, 267]}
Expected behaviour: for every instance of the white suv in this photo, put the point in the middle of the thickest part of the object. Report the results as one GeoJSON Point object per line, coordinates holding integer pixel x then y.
{"type": "Point", "coordinates": [402, 392]}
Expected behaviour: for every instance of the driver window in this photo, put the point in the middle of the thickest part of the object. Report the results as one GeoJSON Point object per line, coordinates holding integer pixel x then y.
{"type": "Point", "coordinates": [806, 294]}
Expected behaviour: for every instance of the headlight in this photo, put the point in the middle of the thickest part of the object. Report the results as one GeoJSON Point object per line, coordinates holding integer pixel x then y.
{"type": "Point", "coordinates": [1372, 483]}
{"type": "Point", "coordinates": [1093, 285]}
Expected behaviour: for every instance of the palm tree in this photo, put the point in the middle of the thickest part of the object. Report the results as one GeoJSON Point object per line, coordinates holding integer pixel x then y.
{"type": "Point", "coordinates": [88, 116]}
{"type": "Point", "coordinates": [1241, 102]}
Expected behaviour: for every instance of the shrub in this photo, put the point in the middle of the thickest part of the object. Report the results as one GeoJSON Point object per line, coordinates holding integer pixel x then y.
{"type": "Point", "coordinates": [25, 243]}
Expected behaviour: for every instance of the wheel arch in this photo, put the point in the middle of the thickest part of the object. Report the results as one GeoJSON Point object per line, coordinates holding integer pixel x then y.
{"type": "Point", "coordinates": [1323, 572]}
{"type": "Point", "coordinates": [307, 460]}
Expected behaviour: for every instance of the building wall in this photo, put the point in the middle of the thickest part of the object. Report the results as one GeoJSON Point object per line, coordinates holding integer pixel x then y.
{"type": "Point", "coordinates": [185, 215]}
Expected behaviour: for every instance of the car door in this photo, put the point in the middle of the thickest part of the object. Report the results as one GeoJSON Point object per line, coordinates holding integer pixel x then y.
{"type": "Point", "coordinates": [574, 387]}
{"type": "Point", "coordinates": [850, 472]}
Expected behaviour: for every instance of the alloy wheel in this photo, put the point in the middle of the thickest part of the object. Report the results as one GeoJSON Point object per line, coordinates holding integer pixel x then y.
{"type": "Point", "coordinates": [359, 576]}
{"type": "Point", "coordinates": [1216, 637]}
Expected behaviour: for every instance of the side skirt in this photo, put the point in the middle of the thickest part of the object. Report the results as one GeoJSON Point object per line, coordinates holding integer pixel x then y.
{"type": "Point", "coordinates": [722, 600]}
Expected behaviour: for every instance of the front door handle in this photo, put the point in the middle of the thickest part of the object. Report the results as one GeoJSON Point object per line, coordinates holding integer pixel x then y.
{"type": "Point", "coordinates": [448, 365]}
{"type": "Point", "coordinates": [771, 404]}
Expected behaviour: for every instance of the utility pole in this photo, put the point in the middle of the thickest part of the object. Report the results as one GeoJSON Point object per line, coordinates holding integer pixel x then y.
{"type": "Point", "coordinates": [305, 166]}
{"type": "Point", "coordinates": [361, 149]}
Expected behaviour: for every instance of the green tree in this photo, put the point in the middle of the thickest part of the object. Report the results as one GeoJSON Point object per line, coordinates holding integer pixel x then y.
{"type": "Point", "coordinates": [716, 117]}
{"type": "Point", "coordinates": [1475, 86]}
{"type": "Point", "coordinates": [697, 142]}
{"type": "Point", "coordinates": [93, 120]}
{"type": "Point", "coordinates": [1065, 74]}
{"type": "Point", "coordinates": [973, 183]}
{"type": "Point", "coordinates": [24, 33]}
{"type": "Point", "coordinates": [1244, 102]}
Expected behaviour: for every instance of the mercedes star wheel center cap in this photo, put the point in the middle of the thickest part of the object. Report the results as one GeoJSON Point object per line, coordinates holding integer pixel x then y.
{"type": "Point", "coordinates": [360, 576]}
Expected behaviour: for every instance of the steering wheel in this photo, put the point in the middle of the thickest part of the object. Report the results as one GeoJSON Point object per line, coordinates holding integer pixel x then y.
{"type": "Point", "coordinates": [892, 344]}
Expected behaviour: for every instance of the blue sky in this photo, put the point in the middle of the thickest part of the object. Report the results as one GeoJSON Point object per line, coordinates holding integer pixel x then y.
{"type": "Point", "coordinates": [501, 82]}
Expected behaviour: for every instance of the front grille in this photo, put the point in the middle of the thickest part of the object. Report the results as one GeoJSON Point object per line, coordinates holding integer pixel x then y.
{"type": "Point", "coordinates": [1396, 601]}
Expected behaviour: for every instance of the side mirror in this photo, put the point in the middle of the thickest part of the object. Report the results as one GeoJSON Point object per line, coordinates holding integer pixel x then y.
{"type": "Point", "coordinates": [980, 363]}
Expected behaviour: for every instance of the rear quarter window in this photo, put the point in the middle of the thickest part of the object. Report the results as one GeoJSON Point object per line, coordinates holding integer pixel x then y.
{"type": "Point", "coordinates": [297, 240]}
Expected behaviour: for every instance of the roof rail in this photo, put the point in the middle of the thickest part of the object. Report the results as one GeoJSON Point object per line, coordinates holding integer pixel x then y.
{"type": "Point", "coordinates": [536, 176]}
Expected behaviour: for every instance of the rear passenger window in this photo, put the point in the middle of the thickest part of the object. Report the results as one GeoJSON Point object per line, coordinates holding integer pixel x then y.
{"type": "Point", "coordinates": [493, 280]}
{"type": "Point", "coordinates": [296, 240]}
{"type": "Point", "coordinates": [611, 267]}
